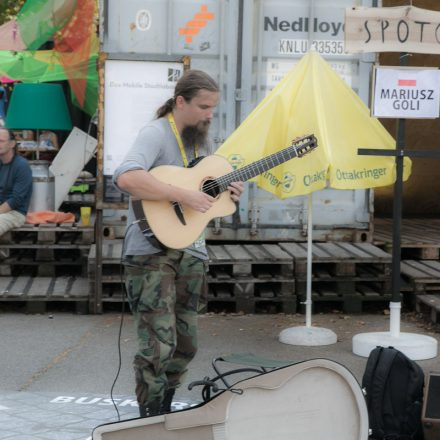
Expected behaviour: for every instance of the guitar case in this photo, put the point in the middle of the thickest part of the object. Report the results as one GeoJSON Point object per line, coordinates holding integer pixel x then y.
{"type": "Point", "coordinates": [314, 400]}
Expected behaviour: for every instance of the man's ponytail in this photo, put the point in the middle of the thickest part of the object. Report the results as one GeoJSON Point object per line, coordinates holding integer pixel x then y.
{"type": "Point", "coordinates": [165, 108]}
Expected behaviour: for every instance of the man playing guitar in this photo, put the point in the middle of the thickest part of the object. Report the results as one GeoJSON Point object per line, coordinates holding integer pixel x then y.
{"type": "Point", "coordinates": [163, 284]}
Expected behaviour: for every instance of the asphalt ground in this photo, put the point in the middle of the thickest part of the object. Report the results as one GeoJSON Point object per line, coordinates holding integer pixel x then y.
{"type": "Point", "coordinates": [57, 368]}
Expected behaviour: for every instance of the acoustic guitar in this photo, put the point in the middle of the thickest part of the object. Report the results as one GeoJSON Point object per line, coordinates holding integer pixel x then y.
{"type": "Point", "coordinates": [176, 226]}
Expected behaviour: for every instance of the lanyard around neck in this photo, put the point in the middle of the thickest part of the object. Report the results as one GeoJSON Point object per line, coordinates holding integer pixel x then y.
{"type": "Point", "coordinates": [179, 140]}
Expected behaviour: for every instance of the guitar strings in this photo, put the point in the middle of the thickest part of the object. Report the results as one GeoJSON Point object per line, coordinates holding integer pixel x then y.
{"type": "Point", "coordinates": [247, 172]}
{"type": "Point", "coordinates": [222, 180]}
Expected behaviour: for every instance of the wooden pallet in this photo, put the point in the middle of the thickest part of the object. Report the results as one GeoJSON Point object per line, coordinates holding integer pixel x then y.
{"type": "Point", "coordinates": [423, 275]}
{"type": "Point", "coordinates": [340, 259]}
{"type": "Point", "coordinates": [62, 235]}
{"type": "Point", "coordinates": [112, 271]}
{"type": "Point", "coordinates": [346, 274]}
{"type": "Point", "coordinates": [420, 238]}
{"type": "Point", "coordinates": [53, 263]}
{"type": "Point", "coordinates": [43, 288]}
{"type": "Point", "coordinates": [37, 292]}
{"type": "Point", "coordinates": [430, 304]}
{"type": "Point", "coordinates": [248, 293]}
{"type": "Point", "coordinates": [219, 299]}
{"type": "Point", "coordinates": [251, 278]}
{"type": "Point", "coordinates": [262, 261]}
{"type": "Point", "coordinates": [353, 302]}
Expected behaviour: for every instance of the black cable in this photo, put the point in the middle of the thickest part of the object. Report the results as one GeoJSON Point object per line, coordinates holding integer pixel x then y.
{"type": "Point", "coordinates": [120, 324]}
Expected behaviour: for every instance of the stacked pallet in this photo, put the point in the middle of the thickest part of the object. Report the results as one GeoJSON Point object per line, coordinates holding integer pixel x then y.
{"type": "Point", "coordinates": [254, 278]}
{"type": "Point", "coordinates": [420, 265]}
{"type": "Point", "coordinates": [420, 238]}
{"type": "Point", "coordinates": [47, 261]}
{"type": "Point", "coordinates": [251, 278]}
{"type": "Point", "coordinates": [343, 274]}
{"type": "Point", "coordinates": [112, 272]}
{"type": "Point", "coordinates": [245, 278]}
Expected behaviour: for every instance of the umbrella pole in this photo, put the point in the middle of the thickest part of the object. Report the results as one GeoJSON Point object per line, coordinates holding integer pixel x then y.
{"type": "Point", "coordinates": [308, 335]}
{"type": "Point", "coordinates": [308, 301]}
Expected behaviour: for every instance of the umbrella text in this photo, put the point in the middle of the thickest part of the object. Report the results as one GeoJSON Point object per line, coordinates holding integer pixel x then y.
{"type": "Point", "coordinates": [309, 179]}
{"type": "Point", "coordinates": [375, 173]}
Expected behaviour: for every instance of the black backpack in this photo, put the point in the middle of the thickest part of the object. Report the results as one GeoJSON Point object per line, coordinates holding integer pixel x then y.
{"type": "Point", "coordinates": [394, 393]}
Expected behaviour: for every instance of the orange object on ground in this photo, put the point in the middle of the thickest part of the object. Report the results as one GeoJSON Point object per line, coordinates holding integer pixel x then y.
{"type": "Point", "coordinates": [39, 217]}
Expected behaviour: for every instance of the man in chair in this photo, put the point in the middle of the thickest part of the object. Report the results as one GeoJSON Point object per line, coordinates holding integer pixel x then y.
{"type": "Point", "coordinates": [15, 184]}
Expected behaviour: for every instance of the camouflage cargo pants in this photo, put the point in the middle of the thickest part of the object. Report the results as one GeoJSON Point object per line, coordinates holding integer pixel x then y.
{"type": "Point", "coordinates": [163, 292]}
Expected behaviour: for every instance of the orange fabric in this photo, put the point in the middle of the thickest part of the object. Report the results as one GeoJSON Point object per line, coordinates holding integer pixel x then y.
{"type": "Point", "coordinates": [39, 217]}
{"type": "Point", "coordinates": [74, 44]}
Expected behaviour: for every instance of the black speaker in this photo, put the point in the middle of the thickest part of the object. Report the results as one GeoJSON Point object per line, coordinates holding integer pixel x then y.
{"type": "Point", "coordinates": [431, 407]}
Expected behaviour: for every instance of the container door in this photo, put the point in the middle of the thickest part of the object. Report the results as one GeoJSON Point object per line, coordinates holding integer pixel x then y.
{"type": "Point", "coordinates": [276, 34]}
{"type": "Point", "coordinates": [205, 31]}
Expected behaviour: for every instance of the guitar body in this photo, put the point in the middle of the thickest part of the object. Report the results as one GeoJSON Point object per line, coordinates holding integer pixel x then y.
{"type": "Point", "coordinates": [161, 215]}
{"type": "Point", "coordinates": [177, 226]}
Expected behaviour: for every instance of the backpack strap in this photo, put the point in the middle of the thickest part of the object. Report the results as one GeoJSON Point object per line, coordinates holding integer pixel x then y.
{"type": "Point", "coordinates": [370, 369]}
{"type": "Point", "coordinates": [384, 361]}
{"type": "Point", "coordinates": [415, 390]}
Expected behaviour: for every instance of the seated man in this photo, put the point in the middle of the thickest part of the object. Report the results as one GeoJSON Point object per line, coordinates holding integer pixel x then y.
{"type": "Point", "coordinates": [15, 184]}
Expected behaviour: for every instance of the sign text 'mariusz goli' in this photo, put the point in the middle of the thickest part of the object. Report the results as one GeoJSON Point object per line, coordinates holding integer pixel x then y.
{"type": "Point", "coordinates": [406, 92]}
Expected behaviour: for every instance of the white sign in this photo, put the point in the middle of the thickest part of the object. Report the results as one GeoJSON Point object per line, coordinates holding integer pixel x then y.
{"type": "Point", "coordinates": [277, 68]}
{"type": "Point", "coordinates": [406, 92]}
{"type": "Point", "coordinates": [133, 91]}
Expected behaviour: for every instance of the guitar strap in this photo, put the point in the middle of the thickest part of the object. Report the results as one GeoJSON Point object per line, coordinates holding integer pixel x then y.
{"type": "Point", "coordinates": [138, 211]}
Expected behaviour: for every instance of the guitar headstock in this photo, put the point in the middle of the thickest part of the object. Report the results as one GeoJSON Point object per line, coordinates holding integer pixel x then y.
{"type": "Point", "coordinates": [305, 144]}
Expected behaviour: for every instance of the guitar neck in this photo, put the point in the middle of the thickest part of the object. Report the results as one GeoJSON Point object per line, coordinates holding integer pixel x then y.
{"type": "Point", "coordinates": [262, 165]}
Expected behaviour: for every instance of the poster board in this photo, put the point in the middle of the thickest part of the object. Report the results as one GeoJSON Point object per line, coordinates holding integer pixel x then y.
{"type": "Point", "coordinates": [133, 91]}
{"type": "Point", "coordinates": [405, 92]}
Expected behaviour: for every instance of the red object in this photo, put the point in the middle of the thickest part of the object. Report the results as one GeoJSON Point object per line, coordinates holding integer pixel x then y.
{"type": "Point", "coordinates": [39, 217]}
{"type": "Point", "coordinates": [5, 79]}
{"type": "Point", "coordinates": [407, 82]}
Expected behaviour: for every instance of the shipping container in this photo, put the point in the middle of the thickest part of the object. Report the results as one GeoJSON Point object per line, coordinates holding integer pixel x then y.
{"type": "Point", "coordinates": [248, 46]}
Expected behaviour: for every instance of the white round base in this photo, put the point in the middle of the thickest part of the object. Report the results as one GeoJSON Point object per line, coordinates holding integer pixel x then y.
{"type": "Point", "coordinates": [307, 336]}
{"type": "Point", "coordinates": [413, 345]}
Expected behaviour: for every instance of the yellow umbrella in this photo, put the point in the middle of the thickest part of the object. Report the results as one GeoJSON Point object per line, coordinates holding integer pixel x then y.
{"type": "Point", "coordinates": [313, 99]}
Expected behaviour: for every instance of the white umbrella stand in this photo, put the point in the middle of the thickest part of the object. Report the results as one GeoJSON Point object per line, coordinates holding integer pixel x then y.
{"type": "Point", "coordinates": [308, 335]}
{"type": "Point", "coordinates": [414, 345]}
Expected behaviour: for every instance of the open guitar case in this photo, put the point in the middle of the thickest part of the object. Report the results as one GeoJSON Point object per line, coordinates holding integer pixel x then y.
{"type": "Point", "coordinates": [314, 400]}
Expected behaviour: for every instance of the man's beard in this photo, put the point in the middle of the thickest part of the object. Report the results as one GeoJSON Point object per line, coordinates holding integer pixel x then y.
{"type": "Point", "coordinates": [193, 135]}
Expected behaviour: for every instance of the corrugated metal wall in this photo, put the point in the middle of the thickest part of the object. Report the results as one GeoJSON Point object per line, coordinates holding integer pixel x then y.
{"type": "Point", "coordinates": [247, 46]}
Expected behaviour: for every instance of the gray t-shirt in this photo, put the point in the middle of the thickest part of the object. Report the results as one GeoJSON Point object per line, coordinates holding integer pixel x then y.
{"type": "Point", "coordinates": [155, 145]}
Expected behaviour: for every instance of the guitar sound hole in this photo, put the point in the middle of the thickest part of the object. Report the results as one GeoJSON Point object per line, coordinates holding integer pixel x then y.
{"type": "Point", "coordinates": [211, 188]}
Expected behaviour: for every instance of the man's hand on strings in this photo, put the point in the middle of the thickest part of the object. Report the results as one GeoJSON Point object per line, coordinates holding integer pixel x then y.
{"type": "Point", "coordinates": [235, 190]}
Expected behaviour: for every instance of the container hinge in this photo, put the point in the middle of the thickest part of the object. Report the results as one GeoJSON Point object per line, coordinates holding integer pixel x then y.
{"type": "Point", "coordinates": [217, 230]}
{"type": "Point", "coordinates": [239, 95]}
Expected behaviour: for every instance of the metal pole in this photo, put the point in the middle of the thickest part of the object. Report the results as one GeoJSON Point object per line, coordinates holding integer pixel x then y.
{"type": "Point", "coordinates": [308, 301]}
{"type": "Point", "coordinates": [397, 211]}
{"type": "Point", "coordinates": [395, 304]}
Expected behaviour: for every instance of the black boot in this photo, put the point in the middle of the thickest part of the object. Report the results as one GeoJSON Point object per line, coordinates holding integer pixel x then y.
{"type": "Point", "coordinates": [168, 400]}
{"type": "Point", "coordinates": [150, 409]}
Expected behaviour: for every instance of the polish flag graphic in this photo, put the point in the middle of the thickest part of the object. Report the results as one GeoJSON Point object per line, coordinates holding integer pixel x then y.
{"type": "Point", "coordinates": [407, 82]}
